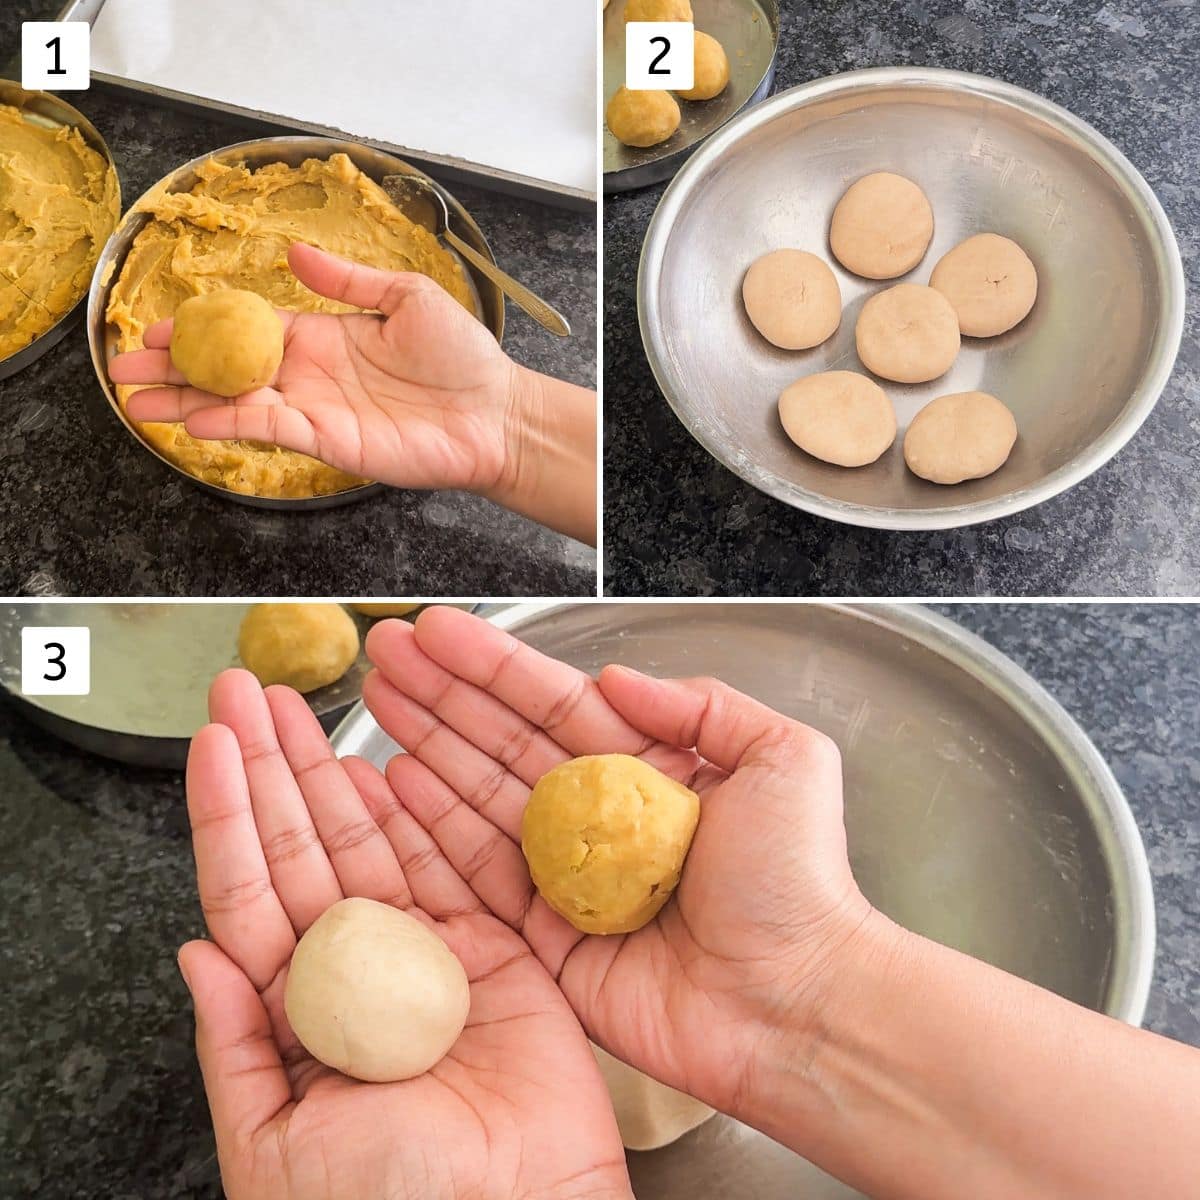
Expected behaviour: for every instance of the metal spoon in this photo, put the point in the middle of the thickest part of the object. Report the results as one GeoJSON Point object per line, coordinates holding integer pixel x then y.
{"type": "Point", "coordinates": [421, 202]}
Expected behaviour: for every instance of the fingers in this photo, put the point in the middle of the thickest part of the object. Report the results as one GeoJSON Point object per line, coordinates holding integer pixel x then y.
{"type": "Point", "coordinates": [158, 335]}
{"type": "Point", "coordinates": [144, 366]}
{"type": "Point", "coordinates": [244, 1077]}
{"type": "Point", "coordinates": [362, 858]}
{"type": "Point", "coordinates": [726, 727]}
{"type": "Point", "coordinates": [244, 914]}
{"type": "Point", "coordinates": [382, 804]}
{"type": "Point", "coordinates": [304, 878]}
{"type": "Point", "coordinates": [351, 283]}
{"type": "Point", "coordinates": [492, 726]}
{"type": "Point", "coordinates": [274, 422]}
{"type": "Point", "coordinates": [555, 697]}
{"type": "Point", "coordinates": [177, 404]}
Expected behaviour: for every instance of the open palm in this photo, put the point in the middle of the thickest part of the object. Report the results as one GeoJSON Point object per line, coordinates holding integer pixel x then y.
{"type": "Point", "coordinates": [766, 895]}
{"type": "Point", "coordinates": [281, 831]}
{"type": "Point", "coordinates": [416, 397]}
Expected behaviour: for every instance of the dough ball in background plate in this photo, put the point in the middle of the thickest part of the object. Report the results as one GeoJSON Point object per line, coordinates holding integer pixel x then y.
{"type": "Point", "coordinates": [658, 10]}
{"type": "Point", "coordinates": [840, 417]}
{"type": "Point", "coordinates": [990, 282]}
{"type": "Point", "coordinates": [375, 993]}
{"type": "Point", "coordinates": [711, 69]}
{"type": "Point", "coordinates": [881, 227]}
{"type": "Point", "coordinates": [649, 1114]}
{"type": "Point", "coordinates": [305, 646]}
{"type": "Point", "coordinates": [227, 342]}
{"type": "Point", "coordinates": [965, 435]}
{"type": "Point", "coordinates": [792, 298]}
{"type": "Point", "coordinates": [384, 610]}
{"type": "Point", "coordinates": [908, 334]}
{"type": "Point", "coordinates": [642, 118]}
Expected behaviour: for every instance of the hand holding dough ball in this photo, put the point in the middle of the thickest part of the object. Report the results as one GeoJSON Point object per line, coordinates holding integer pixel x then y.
{"type": "Point", "coordinates": [649, 1114]}
{"type": "Point", "coordinates": [305, 646]}
{"type": "Point", "coordinates": [792, 298]}
{"type": "Point", "coordinates": [840, 417]}
{"type": "Point", "coordinates": [642, 118]}
{"type": "Point", "coordinates": [605, 837]}
{"type": "Point", "coordinates": [908, 333]}
{"type": "Point", "coordinates": [990, 282]}
{"type": "Point", "coordinates": [881, 227]}
{"type": "Point", "coordinates": [374, 993]}
{"type": "Point", "coordinates": [711, 69]}
{"type": "Point", "coordinates": [966, 435]}
{"type": "Point", "coordinates": [227, 342]}
{"type": "Point", "coordinates": [658, 10]}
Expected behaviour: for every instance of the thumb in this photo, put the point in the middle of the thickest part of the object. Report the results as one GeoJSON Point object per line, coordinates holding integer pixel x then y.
{"type": "Point", "coordinates": [351, 282]}
{"type": "Point", "coordinates": [244, 1077]}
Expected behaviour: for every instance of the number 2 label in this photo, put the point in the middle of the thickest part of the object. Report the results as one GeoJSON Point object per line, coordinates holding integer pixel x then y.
{"type": "Point", "coordinates": [659, 55]}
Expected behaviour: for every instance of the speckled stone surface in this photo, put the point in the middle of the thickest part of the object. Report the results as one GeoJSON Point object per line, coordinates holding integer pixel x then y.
{"type": "Point", "coordinates": [85, 511]}
{"type": "Point", "coordinates": [676, 522]}
{"type": "Point", "coordinates": [99, 1091]}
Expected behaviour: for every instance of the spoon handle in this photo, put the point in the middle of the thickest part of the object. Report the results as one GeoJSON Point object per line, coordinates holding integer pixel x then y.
{"type": "Point", "coordinates": [549, 318]}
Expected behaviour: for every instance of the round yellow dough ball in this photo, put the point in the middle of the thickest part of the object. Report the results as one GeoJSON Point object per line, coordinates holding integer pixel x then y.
{"type": "Point", "coordinates": [385, 610]}
{"type": "Point", "coordinates": [306, 646]}
{"type": "Point", "coordinates": [227, 342]}
{"type": "Point", "coordinates": [711, 69]}
{"type": "Point", "coordinates": [642, 118]}
{"type": "Point", "coordinates": [658, 10]}
{"type": "Point", "coordinates": [374, 993]}
{"type": "Point", "coordinates": [840, 417]}
{"type": "Point", "coordinates": [966, 435]}
{"type": "Point", "coordinates": [881, 227]}
{"type": "Point", "coordinates": [908, 333]}
{"type": "Point", "coordinates": [605, 837]}
{"type": "Point", "coordinates": [990, 281]}
{"type": "Point", "coordinates": [792, 298]}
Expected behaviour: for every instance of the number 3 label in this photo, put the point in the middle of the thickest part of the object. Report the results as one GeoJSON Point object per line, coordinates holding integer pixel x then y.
{"type": "Point", "coordinates": [659, 55]}
{"type": "Point", "coordinates": [56, 56]}
{"type": "Point", "coordinates": [56, 660]}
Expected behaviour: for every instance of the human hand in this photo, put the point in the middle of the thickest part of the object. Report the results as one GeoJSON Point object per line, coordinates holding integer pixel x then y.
{"type": "Point", "coordinates": [281, 831]}
{"type": "Point", "coordinates": [747, 952]}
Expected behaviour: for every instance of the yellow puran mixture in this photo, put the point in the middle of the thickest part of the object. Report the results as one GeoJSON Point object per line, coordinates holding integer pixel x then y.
{"type": "Point", "coordinates": [59, 201]}
{"type": "Point", "coordinates": [233, 230]}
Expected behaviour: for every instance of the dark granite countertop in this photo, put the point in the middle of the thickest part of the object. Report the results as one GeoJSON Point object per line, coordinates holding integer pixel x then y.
{"type": "Point", "coordinates": [678, 523]}
{"type": "Point", "coordinates": [99, 1090]}
{"type": "Point", "coordinates": [85, 511]}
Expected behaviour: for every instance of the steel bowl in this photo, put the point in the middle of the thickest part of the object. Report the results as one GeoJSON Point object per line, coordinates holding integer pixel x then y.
{"type": "Point", "coordinates": [749, 32]}
{"type": "Point", "coordinates": [46, 108]}
{"type": "Point", "coordinates": [1080, 373]}
{"type": "Point", "coordinates": [102, 337]}
{"type": "Point", "coordinates": [979, 814]}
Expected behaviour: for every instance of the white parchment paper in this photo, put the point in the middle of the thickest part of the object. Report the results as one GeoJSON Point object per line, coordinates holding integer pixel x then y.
{"type": "Point", "coordinates": [506, 84]}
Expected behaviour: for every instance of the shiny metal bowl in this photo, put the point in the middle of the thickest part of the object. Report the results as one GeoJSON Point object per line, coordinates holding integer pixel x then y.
{"type": "Point", "coordinates": [1080, 374]}
{"type": "Point", "coordinates": [46, 108]}
{"type": "Point", "coordinates": [979, 814]}
{"type": "Point", "coordinates": [102, 337]}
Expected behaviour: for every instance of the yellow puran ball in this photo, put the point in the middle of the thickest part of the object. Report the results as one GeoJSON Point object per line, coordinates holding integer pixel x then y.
{"type": "Point", "coordinates": [711, 69]}
{"type": "Point", "coordinates": [658, 10]}
{"type": "Point", "coordinates": [305, 646]}
{"type": "Point", "coordinates": [642, 118]}
{"type": "Point", "coordinates": [227, 342]}
{"type": "Point", "coordinates": [605, 837]}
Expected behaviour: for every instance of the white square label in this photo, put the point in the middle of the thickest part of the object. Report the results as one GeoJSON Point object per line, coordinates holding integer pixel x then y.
{"type": "Point", "coordinates": [660, 55]}
{"type": "Point", "coordinates": [56, 56]}
{"type": "Point", "coordinates": [56, 660]}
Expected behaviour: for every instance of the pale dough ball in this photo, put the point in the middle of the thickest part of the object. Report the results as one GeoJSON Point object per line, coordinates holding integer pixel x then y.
{"type": "Point", "coordinates": [605, 837]}
{"type": "Point", "coordinates": [227, 342]}
{"type": "Point", "coordinates": [305, 646]}
{"type": "Point", "coordinates": [385, 610]}
{"type": "Point", "coordinates": [881, 227]}
{"type": "Point", "coordinates": [792, 298]}
{"type": "Point", "coordinates": [374, 993]}
{"type": "Point", "coordinates": [649, 1114]}
{"type": "Point", "coordinates": [908, 333]}
{"type": "Point", "coordinates": [658, 10]}
{"type": "Point", "coordinates": [966, 435]}
{"type": "Point", "coordinates": [840, 417]}
{"type": "Point", "coordinates": [642, 118]}
{"type": "Point", "coordinates": [990, 282]}
{"type": "Point", "coordinates": [711, 69]}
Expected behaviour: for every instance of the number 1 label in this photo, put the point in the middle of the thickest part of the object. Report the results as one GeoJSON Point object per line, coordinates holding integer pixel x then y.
{"type": "Point", "coordinates": [56, 660]}
{"type": "Point", "coordinates": [56, 56]}
{"type": "Point", "coordinates": [659, 55]}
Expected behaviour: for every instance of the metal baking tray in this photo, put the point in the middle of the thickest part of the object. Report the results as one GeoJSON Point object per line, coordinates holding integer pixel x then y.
{"type": "Point", "coordinates": [749, 31]}
{"type": "Point", "coordinates": [102, 337]}
{"type": "Point", "coordinates": [151, 668]}
{"type": "Point", "coordinates": [47, 109]}
{"type": "Point", "coordinates": [978, 812]}
{"type": "Point", "coordinates": [457, 169]}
